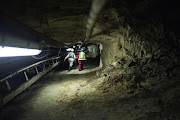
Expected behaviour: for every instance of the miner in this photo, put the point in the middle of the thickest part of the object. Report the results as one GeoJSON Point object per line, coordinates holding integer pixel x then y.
{"type": "Point", "coordinates": [71, 58]}
{"type": "Point", "coordinates": [81, 59]}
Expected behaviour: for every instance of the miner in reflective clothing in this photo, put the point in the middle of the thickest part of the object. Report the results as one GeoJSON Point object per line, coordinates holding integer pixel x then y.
{"type": "Point", "coordinates": [81, 59]}
{"type": "Point", "coordinates": [71, 58]}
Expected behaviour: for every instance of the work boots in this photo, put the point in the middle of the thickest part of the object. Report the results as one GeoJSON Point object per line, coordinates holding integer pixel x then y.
{"type": "Point", "coordinates": [70, 68]}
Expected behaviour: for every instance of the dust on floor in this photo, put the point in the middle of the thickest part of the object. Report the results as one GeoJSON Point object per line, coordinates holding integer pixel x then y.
{"type": "Point", "coordinates": [85, 97]}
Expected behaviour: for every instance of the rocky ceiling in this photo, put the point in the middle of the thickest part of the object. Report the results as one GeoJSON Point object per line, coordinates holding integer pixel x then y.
{"type": "Point", "coordinates": [65, 20]}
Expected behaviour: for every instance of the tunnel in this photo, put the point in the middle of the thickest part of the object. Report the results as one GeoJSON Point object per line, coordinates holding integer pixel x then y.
{"type": "Point", "coordinates": [94, 60]}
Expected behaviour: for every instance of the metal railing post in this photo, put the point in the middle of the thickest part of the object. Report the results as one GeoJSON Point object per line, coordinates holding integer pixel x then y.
{"type": "Point", "coordinates": [8, 85]}
{"type": "Point", "coordinates": [52, 61]}
{"type": "Point", "coordinates": [36, 69]}
{"type": "Point", "coordinates": [26, 76]}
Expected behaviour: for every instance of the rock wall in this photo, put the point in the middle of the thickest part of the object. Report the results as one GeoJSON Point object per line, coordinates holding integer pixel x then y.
{"type": "Point", "coordinates": [125, 44]}
{"type": "Point", "coordinates": [138, 62]}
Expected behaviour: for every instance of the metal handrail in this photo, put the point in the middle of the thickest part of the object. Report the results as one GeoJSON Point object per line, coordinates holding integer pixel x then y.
{"type": "Point", "coordinates": [29, 81]}
{"type": "Point", "coordinates": [35, 64]}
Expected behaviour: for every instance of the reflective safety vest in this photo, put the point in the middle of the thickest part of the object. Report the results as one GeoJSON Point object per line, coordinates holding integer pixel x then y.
{"type": "Point", "coordinates": [71, 55]}
{"type": "Point", "coordinates": [82, 56]}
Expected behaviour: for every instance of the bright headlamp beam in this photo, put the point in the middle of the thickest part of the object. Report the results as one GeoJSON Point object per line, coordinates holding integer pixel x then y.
{"type": "Point", "coordinates": [15, 51]}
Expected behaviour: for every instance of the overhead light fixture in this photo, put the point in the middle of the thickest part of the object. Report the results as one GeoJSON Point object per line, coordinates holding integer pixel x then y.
{"type": "Point", "coordinates": [15, 51]}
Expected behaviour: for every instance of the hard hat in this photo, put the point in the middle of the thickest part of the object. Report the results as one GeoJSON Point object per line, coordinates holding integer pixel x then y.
{"type": "Point", "coordinates": [69, 49]}
{"type": "Point", "coordinates": [72, 50]}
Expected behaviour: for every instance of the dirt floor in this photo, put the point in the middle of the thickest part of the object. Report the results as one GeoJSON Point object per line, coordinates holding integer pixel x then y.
{"type": "Point", "coordinates": [59, 95]}
{"type": "Point", "coordinates": [64, 96]}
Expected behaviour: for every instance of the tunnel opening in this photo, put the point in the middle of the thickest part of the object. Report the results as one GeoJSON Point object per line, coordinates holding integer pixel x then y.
{"type": "Point", "coordinates": [92, 53]}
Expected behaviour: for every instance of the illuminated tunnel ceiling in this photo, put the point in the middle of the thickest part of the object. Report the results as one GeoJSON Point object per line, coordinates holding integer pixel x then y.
{"type": "Point", "coordinates": [65, 20]}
